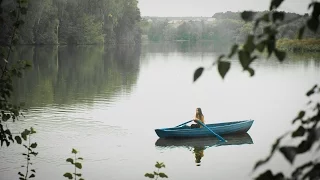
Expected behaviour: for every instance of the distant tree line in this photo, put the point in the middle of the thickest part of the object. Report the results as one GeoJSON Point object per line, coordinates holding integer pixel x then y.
{"type": "Point", "coordinates": [73, 22]}
{"type": "Point", "coordinates": [223, 27]}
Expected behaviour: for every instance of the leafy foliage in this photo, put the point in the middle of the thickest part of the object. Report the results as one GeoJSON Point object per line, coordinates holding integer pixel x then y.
{"type": "Point", "coordinates": [8, 70]}
{"type": "Point", "coordinates": [257, 42]}
{"type": "Point", "coordinates": [198, 73]}
{"type": "Point", "coordinates": [26, 134]}
{"type": "Point", "coordinates": [77, 165]}
{"type": "Point", "coordinates": [156, 175]}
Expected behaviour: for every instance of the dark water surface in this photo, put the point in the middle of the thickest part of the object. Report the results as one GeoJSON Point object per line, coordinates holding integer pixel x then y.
{"type": "Point", "coordinates": [107, 102]}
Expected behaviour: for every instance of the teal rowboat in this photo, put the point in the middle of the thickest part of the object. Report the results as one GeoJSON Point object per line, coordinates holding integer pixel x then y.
{"type": "Point", "coordinates": [219, 128]}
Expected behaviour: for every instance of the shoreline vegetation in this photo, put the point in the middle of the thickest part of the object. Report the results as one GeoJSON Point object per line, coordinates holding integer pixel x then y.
{"type": "Point", "coordinates": [72, 22]}
{"type": "Point", "coordinates": [297, 46]}
{"type": "Point", "coordinates": [226, 28]}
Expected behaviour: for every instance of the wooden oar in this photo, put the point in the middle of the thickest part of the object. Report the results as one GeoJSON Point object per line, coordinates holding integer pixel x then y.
{"type": "Point", "coordinates": [184, 123]}
{"type": "Point", "coordinates": [217, 135]}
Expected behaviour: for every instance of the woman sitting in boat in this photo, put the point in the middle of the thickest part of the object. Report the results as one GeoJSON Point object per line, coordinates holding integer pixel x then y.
{"type": "Point", "coordinates": [199, 116]}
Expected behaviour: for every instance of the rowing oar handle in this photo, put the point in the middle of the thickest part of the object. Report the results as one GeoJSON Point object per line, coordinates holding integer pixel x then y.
{"type": "Point", "coordinates": [184, 123]}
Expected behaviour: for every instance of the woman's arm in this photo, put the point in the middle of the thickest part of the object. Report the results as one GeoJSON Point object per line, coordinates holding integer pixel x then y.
{"type": "Point", "coordinates": [202, 119]}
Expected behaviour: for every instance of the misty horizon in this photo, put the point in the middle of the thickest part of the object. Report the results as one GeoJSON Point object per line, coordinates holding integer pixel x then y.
{"type": "Point", "coordinates": [207, 8]}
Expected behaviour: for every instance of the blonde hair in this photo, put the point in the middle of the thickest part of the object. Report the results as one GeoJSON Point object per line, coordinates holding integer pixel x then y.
{"type": "Point", "coordinates": [199, 114]}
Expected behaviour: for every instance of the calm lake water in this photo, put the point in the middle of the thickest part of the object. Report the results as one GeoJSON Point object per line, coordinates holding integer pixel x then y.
{"type": "Point", "coordinates": [106, 103]}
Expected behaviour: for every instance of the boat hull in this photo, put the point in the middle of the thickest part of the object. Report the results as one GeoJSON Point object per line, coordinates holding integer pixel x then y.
{"type": "Point", "coordinates": [219, 128]}
{"type": "Point", "coordinates": [233, 139]}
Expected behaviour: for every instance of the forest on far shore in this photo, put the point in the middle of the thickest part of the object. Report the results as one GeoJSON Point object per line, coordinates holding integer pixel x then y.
{"type": "Point", "coordinates": [227, 27]}
{"type": "Point", "coordinates": [73, 22]}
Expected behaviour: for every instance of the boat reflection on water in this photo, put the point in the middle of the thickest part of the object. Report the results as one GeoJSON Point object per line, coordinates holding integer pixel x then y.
{"type": "Point", "coordinates": [198, 145]}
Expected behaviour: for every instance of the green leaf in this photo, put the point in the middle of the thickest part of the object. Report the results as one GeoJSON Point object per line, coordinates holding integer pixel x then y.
{"type": "Point", "coordinates": [32, 176]}
{"type": "Point", "coordinates": [301, 168]}
{"type": "Point", "coordinates": [32, 170]}
{"type": "Point", "coordinates": [300, 116]}
{"type": "Point", "coordinates": [249, 46]}
{"type": "Point", "coordinates": [305, 146]}
{"type": "Point", "coordinates": [18, 139]}
{"type": "Point", "coordinates": [275, 4]}
{"type": "Point", "coordinates": [299, 132]}
{"type": "Point", "coordinates": [313, 24]}
{"type": "Point", "coordinates": [247, 15]}
{"type": "Point", "coordinates": [81, 179]}
{"type": "Point", "coordinates": [270, 31]}
{"type": "Point", "coordinates": [244, 58]}
{"type": "Point", "coordinates": [311, 5]}
{"type": "Point", "coordinates": [251, 71]}
{"type": "Point", "coordinates": [24, 136]}
{"type": "Point", "coordinates": [149, 175]}
{"type": "Point", "coordinates": [277, 16]}
{"type": "Point", "coordinates": [233, 50]}
{"type": "Point", "coordinates": [316, 10]}
{"type": "Point", "coordinates": [20, 174]}
{"type": "Point", "coordinates": [158, 165]}
{"type": "Point", "coordinates": [32, 131]}
{"type": "Point", "coordinates": [163, 175]}
{"type": "Point", "coordinates": [74, 151]}
{"type": "Point", "coordinates": [80, 158]}
{"type": "Point", "coordinates": [70, 160]}
{"type": "Point", "coordinates": [301, 32]}
{"type": "Point", "coordinates": [289, 153]}
{"type": "Point", "coordinates": [269, 176]}
{"type": "Point", "coordinates": [155, 173]}
{"type": "Point", "coordinates": [78, 165]}
{"type": "Point", "coordinates": [313, 173]}
{"type": "Point", "coordinates": [162, 165]}
{"type": "Point", "coordinates": [77, 174]}
{"type": "Point", "coordinates": [223, 68]}
{"type": "Point", "coordinates": [33, 145]}
{"type": "Point", "coordinates": [68, 175]}
{"type": "Point", "coordinates": [260, 46]}
{"type": "Point", "coordinates": [281, 55]}
{"type": "Point", "coordinates": [197, 73]}
{"type": "Point", "coordinates": [8, 132]}
{"type": "Point", "coordinates": [34, 153]}
{"type": "Point", "coordinates": [312, 91]}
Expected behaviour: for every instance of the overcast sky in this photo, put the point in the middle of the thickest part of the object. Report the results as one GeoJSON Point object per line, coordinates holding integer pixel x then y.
{"type": "Point", "coordinates": [207, 8]}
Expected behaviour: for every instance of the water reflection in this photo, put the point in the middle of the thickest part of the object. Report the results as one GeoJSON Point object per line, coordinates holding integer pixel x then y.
{"type": "Point", "coordinates": [198, 154]}
{"type": "Point", "coordinates": [199, 145]}
{"type": "Point", "coordinates": [73, 74]}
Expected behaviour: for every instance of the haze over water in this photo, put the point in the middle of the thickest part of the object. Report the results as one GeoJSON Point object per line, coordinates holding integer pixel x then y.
{"type": "Point", "coordinates": [107, 102]}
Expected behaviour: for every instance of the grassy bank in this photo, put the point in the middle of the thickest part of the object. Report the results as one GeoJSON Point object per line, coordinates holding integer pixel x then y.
{"type": "Point", "coordinates": [295, 45]}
